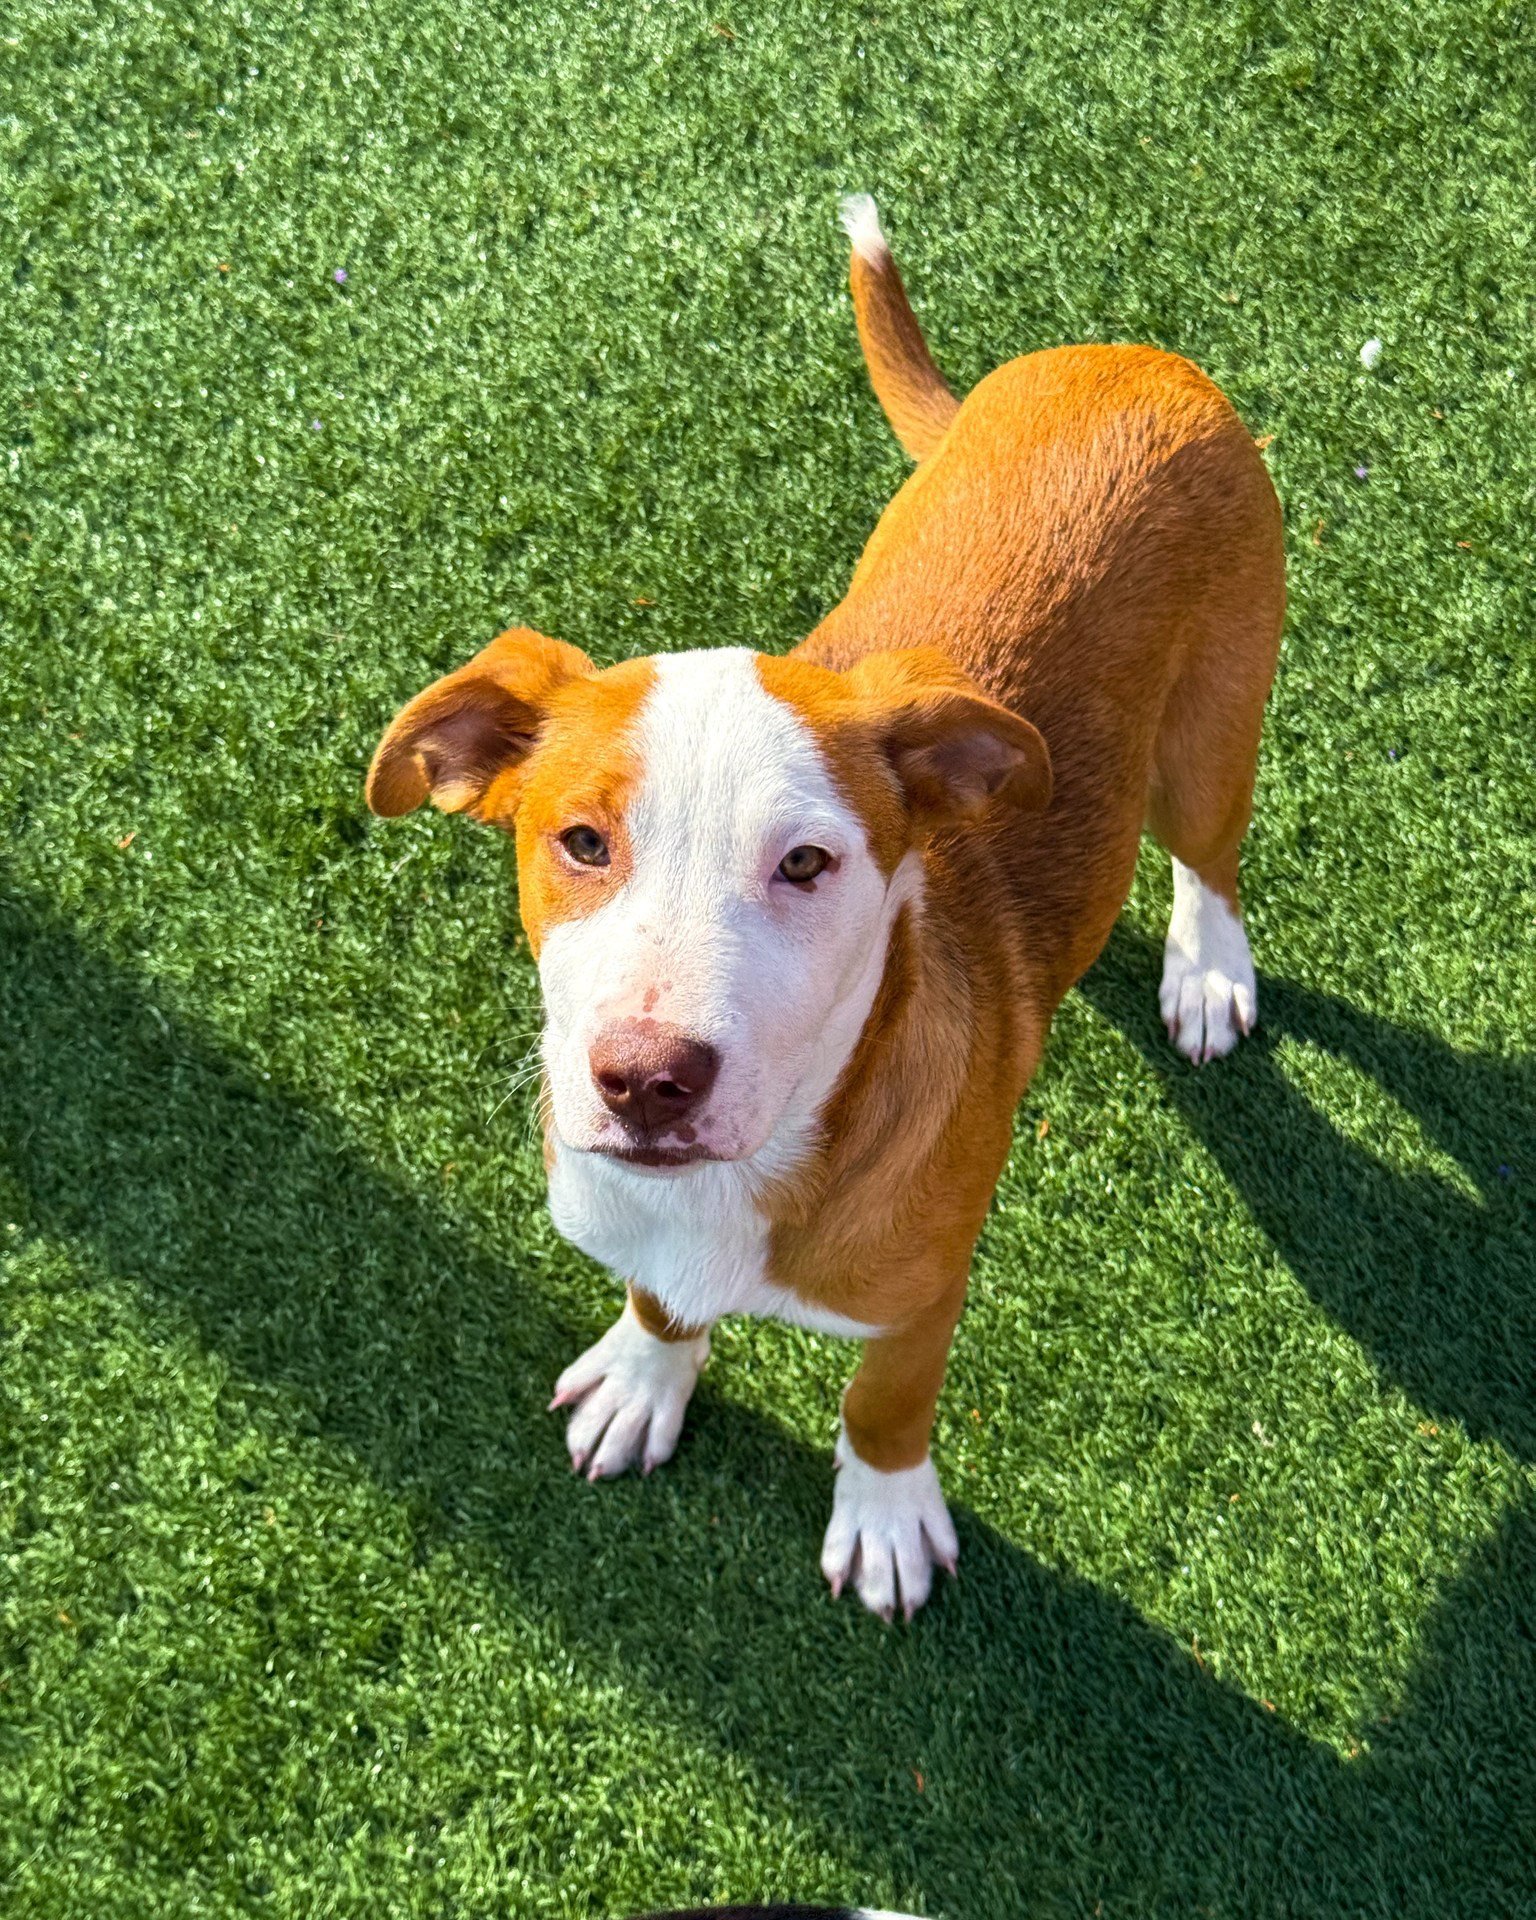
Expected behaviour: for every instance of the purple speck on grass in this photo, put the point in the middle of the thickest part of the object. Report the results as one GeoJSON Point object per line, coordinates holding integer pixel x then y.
{"type": "Point", "coordinates": [1504, 1173]}
{"type": "Point", "coordinates": [1361, 472]}
{"type": "Point", "coordinates": [1391, 753]}
{"type": "Point", "coordinates": [340, 276]}
{"type": "Point", "coordinates": [316, 425]}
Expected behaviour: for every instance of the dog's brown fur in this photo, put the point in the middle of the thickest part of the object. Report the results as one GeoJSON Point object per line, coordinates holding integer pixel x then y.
{"type": "Point", "coordinates": [1092, 542]}
{"type": "Point", "coordinates": [1093, 538]}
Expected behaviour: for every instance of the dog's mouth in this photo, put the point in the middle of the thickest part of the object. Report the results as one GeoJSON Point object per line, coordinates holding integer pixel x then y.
{"type": "Point", "coordinates": [655, 1158]}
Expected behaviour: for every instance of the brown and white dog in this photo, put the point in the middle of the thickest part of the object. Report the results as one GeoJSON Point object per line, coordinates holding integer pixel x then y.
{"type": "Point", "coordinates": [801, 923]}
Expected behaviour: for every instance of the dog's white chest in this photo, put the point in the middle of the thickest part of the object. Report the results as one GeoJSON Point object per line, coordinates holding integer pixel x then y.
{"type": "Point", "coordinates": [694, 1241]}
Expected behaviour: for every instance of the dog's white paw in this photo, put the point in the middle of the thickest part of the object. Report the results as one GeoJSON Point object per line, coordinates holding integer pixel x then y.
{"type": "Point", "coordinates": [887, 1533]}
{"type": "Point", "coordinates": [630, 1391]}
{"type": "Point", "coordinates": [1209, 996]}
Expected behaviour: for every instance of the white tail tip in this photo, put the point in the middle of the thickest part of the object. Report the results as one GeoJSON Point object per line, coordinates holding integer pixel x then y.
{"type": "Point", "coordinates": [861, 220]}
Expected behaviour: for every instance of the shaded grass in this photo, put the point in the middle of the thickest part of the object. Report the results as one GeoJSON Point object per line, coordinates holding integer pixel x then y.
{"type": "Point", "coordinates": [360, 1317]}
{"type": "Point", "coordinates": [300, 1612]}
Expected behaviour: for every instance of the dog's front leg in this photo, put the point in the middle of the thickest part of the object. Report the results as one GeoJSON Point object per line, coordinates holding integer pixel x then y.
{"type": "Point", "coordinates": [890, 1527]}
{"type": "Point", "coordinates": [630, 1390]}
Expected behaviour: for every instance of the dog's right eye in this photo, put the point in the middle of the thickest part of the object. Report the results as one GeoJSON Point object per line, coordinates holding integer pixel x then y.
{"type": "Point", "coordinates": [802, 864]}
{"type": "Point", "coordinates": [586, 846]}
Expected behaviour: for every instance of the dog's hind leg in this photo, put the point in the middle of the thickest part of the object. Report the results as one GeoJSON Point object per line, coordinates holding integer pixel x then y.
{"type": "Point", "coordinates": [1199, 807]}
{"type": "Point", "coordinates": [1208, 995]}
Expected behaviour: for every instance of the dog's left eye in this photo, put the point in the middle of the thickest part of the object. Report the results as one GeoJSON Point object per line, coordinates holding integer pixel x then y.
{"type": "Point", "coordinates": [804, 863]}
{"type": "Point", "coordinates": [586, 846]}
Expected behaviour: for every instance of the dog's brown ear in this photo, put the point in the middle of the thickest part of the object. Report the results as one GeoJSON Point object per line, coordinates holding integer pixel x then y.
{"type": "Point", "coordinates": [469, 732]}
{"type": "Point", "coordinates": [954, 750]}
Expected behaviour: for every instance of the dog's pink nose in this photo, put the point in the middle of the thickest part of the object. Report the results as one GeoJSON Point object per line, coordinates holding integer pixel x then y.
{"type": "Point", "coordinates": [651, 1075]}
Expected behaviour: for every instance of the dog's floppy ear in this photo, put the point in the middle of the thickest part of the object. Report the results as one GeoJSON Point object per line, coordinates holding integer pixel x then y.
{"type": "Point", "coordinates": [471, 728]}
{"type": "Point", "coordinates": [954, 751]}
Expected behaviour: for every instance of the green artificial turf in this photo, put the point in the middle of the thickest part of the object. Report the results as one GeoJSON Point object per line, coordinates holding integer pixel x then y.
{"type": "Point", "coordinates": [335, 337]}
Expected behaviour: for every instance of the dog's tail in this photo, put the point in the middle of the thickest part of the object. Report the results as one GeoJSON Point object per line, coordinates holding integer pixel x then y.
{"type": "Point", "coordinates": [907, 384]}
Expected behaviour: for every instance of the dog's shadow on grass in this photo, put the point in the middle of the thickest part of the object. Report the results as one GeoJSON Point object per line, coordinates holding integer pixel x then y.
{"type": "Point", "coordinates": [1435, 1277]}
{"type": "Point", "coordinates": [1096, 1767]}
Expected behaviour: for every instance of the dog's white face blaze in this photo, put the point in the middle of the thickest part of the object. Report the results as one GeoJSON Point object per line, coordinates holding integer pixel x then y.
{"type": "Point", "coordinates": [705, 935]}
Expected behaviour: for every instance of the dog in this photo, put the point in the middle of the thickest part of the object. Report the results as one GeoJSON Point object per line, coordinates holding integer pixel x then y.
{"type": "Point", "coordinates": [802, 922]}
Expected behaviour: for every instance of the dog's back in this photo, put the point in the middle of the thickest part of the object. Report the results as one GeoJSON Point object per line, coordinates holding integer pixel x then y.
{"type": "Point", "coordinates": [1092, 536]}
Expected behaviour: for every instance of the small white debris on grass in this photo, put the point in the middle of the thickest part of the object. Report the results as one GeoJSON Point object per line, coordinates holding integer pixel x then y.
{"type": "Point", "coordinates": [1370, 354]}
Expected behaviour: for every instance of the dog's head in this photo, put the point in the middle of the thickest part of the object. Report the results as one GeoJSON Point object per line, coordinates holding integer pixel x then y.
{"type": "Point", "coordinates": [712, 848]}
